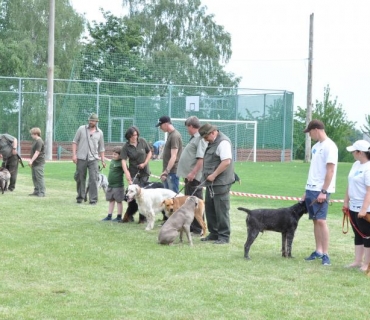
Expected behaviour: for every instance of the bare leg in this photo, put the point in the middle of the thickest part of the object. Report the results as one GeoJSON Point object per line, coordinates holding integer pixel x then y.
{"type": "Point", "coordinates": [366, 259]}
{"type": "Point", "coordinates": [359, 255]}
{"type": "Point", "coordinates": [321, 232]}
{"type": "Point", "coordinates": [119, 208]}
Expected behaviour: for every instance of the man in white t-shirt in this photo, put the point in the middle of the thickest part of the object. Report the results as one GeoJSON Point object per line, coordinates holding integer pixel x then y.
{"type": "Point", "coordinates": [320, 185]}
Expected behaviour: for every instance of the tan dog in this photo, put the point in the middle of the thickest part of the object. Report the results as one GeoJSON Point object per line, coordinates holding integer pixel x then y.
{"type": "Point", "coordinates": [179, 222]}
{"type": "Point", "coordinates": [172, 204]}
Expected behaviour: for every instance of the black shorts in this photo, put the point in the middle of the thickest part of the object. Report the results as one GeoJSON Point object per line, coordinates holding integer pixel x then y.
{"type": "Point", "coordinates": [115, 194]}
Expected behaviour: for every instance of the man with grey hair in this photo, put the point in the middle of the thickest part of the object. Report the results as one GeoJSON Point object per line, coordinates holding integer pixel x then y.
{"type": "Point", "coordinates": [218, 173]}
{"type": "Point", "coordinates": [191, 163]}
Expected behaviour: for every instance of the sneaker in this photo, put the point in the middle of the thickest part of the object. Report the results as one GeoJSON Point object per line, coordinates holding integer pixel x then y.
{"type": "Point", "coordinates": [107, 218]}
{"type": "Point", "coordinates": [93, 203]}
{"type": "Point", "coordinates": [117, 219]}
{"type": "Point", "coordinates": [314, 255]}
{"type": "Point", "coordinates": [325, 260]}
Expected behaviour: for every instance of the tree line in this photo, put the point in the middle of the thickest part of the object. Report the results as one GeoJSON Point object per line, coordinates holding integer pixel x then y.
{"type": "Point", "coordinates": [179, 36]}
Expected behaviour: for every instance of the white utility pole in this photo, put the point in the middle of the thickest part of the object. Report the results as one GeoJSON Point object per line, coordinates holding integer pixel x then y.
{"type": "Point", "coordinates": [309, 91]}
{"type": "Point", "coordinates": [50, 85]}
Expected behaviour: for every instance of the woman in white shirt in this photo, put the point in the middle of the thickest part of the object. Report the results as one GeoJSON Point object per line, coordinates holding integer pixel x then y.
{"type": "Point", "coordinates": [357, 201]}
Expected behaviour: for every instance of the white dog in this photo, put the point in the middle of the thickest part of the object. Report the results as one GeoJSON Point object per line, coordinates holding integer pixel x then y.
{"type": "Point", "coordinates": [149, 201]}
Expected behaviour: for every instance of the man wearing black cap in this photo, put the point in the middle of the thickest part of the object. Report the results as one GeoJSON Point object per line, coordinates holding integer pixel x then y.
{"type": "Point", "coordinates": [87, 145]}
{"type": "Point", "coordinates": [171, 154]}
{"type": "Point", "coordinates": [320, 185]}
{"type": "Point", "coordinates": [218, 173]}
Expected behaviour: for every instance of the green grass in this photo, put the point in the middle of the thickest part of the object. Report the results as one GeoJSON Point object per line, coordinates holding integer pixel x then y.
{"type": "Point", "coordinates": [59, 261]}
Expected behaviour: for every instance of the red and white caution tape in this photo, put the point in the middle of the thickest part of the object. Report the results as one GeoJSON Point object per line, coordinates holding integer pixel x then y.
{"type": "Point", "coordinates": [263, 196]}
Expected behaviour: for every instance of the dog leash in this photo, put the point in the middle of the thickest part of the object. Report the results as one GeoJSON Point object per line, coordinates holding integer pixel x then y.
{"type": "Point", "coordinates": [200, 185]}
{"type": "Point", "coordinates": [178, 192]}
{"type": "Point", "coordinates": [354, 226]}
{"type": "Point", "coordinates": [315, 201]}
{"type": "Point", "coordinates": [137, 173]}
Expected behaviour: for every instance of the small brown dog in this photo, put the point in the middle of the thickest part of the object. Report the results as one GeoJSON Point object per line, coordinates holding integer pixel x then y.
{"type": "Point", "coordinates": [172, 204]}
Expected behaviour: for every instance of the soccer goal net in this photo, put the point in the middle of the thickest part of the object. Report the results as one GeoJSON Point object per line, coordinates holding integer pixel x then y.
{"type": "Point", "coordinates": [243, 135]}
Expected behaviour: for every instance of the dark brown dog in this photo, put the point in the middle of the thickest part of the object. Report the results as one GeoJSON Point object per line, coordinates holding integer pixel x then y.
{"type": "Point", "coordinates": [284, 220]}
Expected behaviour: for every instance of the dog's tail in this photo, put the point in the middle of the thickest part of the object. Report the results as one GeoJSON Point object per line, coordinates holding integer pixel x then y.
{"type": "Point", "coordinates": [244, 209]}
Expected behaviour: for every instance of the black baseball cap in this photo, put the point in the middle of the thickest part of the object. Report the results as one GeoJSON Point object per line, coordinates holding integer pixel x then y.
{"type": "Point", "coordinates": [163, 119]}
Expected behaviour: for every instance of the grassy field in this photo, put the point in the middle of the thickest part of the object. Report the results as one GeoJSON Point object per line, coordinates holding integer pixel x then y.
{"type": "Point", "coordinates": [59, 261]}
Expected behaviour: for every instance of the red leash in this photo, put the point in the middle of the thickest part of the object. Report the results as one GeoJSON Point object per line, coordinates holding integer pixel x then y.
{"type": "Point", "coordinates": [346, 213]}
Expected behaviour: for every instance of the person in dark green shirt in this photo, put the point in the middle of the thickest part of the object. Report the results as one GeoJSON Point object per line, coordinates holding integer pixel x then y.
{"type": "Point", "coordinates": [37, 163]}
{"type": "Point", "coordinates": [115, 191]}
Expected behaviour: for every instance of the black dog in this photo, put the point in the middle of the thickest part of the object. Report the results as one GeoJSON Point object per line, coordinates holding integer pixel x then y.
{"type": "Point", "coordinates": [132, 206]}
{"type": "Point", "coordinates": [284, 220]}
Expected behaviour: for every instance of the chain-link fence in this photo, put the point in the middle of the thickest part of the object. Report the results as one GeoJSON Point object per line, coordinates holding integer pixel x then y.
{"type": "Point", "coordinates": [121, 105]}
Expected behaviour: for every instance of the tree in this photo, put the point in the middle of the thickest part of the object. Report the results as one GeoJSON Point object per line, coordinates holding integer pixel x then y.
{"type": "Point", "coordinates": [112, 51]}
{"type": "Point", "coordinates": [23, 53]}
{"type": "Point", "coordinates": [24, 37]}
{"type": "Point", "coordinates": [185, 41]}
{"type": "Point", "coordinates": [366, 128]}
{"type": "Point", "coordinates": [337, 127]}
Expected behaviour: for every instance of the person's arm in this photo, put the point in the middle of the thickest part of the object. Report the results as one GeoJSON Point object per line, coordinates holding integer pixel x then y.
{"type": "Point", "coordinates": [172, 161]}
{"type": "Point", "coordinates": [101, 148]}
{"type": "Point", "coordinates": [102, 158]}
{"type": "Point", "coordinates": [198, 166]}
{"type": "Point", "coordinates": [221, 168]}
{"type": "Point", "coordinates": [75, 142]}
{"type": "Point", "coordinates": [365, 204]}
{"type": "Point", "coordinates": [145, 163]}
{"type": "Point", "coordinates": [330, 169]}
{"type": "Point", "coordinates": [170, 164]}
{"type": "Point", "coordinates": [14, 146]}
{"type": "Point", "coordinates": [74, 151]}
{"type": "Point", "coordinates": [34, 157]}
{"type": "Point", "coordinates": [125, 170]}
